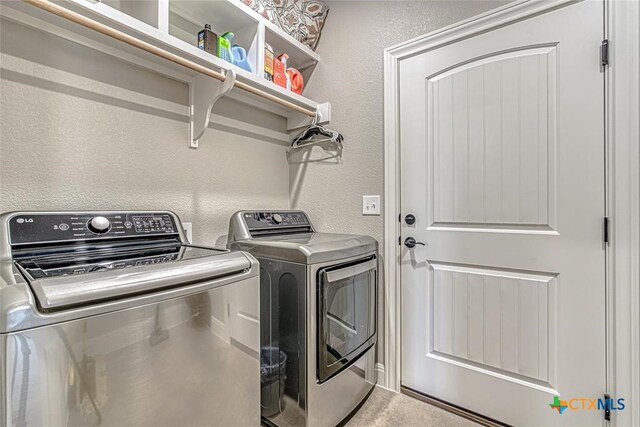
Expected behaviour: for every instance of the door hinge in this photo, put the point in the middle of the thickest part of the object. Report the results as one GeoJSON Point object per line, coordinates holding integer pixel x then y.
{"type": "Point", "coordinates": [607, 407]}
{"type": "Point", "coordinates": [399, 240]}
{"type": "Point", "coordinates": [605, 233]}
{"type": "Point", "coordinates": [604, 53]}
{"type": "Point", "coordinates": [399, 217]}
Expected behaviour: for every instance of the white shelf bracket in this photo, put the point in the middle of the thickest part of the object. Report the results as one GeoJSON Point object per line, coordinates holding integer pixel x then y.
{"type": "Point", "coordinates": [297, 120]}
{"type": "Point", "coordinates": [204, 92]}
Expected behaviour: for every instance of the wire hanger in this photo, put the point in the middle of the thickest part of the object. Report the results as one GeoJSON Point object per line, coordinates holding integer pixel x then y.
{"type": "Point", "coordinates": [316, 134]}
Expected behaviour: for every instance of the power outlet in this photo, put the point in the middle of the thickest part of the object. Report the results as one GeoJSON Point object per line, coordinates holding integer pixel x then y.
{"type": "Point", "coordinates": [370, 205]}
{"type": "Point", "coordinates": [188, 230]}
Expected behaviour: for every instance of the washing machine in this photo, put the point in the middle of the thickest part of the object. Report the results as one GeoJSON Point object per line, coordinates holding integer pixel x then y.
{"type": "Point", "coordinates": [318, 310]}
{"type": "Point", "coordinates": [114, 319]}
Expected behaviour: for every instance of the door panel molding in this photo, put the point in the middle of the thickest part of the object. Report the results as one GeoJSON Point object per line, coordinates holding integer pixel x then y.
{"type": "Point", "coordinates": [492, 119]}
{"type": "Point", "coordinates": [536, 49]}
{"type": "Point", "coordinates": [623, 181]}
{"type": "Point", "coordinates": [495, 372]}
{"type": "Point", "coordinates": [476, 311]}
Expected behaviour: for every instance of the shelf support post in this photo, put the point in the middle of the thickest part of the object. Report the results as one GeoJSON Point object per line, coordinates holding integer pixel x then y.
{"type": "Point", "coordinates": [204, 92]}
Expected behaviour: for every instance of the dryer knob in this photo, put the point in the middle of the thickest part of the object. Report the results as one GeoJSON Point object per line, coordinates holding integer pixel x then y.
{"type": "Point", "coordinates": [99, 224]}
{"type": "Point", "coordinates": [277, 218]}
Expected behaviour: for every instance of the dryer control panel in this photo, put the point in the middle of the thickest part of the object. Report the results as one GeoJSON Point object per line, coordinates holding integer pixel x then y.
{"type": "Point", "coordinates": [260, 220]}
{"type": "Point", "coordinates": [249, 224]}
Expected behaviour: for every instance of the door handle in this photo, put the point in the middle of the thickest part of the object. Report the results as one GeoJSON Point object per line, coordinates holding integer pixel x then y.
{"type": "Point", "coordinates": [410, 242]}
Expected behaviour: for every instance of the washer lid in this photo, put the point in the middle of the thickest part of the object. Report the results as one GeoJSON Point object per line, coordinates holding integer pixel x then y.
{"type": "Point", "coordinates": [188, 265]}
{"type": "Point", "coordinates": [308, 248]}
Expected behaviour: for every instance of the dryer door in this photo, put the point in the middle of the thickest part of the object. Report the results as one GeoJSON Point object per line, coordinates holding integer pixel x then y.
{"type": "Point", "coordinates": [347, 314]}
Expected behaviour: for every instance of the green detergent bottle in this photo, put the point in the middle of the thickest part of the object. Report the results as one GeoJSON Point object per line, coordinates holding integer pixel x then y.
{"type": "Point", "coordinates": [224, 46]}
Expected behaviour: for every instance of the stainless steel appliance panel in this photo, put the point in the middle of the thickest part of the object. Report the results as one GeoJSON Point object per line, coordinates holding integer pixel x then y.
{"type": "Point", "coordinates": [283, 296]}
{"type": "Point", "coordinates": [330, 402]}
{"type": "Point", "coordinates": [346, 314]}
{"type": "Point", "coordinates": [176, 362]}
{"type": "Point", "coordinates": [309, 248]}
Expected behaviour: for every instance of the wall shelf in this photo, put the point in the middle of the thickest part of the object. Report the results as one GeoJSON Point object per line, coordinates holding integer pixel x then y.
{"type": "Point", "coordinates": [301, 56]}
{"type": "Point", "coordinates": [172, 25]}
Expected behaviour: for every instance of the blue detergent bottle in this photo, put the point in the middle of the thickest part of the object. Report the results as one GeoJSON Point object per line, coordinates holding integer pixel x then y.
{"type": "Point", "coordinates": [240, 58]}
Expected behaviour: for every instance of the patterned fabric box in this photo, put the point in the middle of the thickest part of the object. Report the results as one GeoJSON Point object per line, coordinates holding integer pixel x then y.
{"type": "Point", "coordinates": [302, 19]}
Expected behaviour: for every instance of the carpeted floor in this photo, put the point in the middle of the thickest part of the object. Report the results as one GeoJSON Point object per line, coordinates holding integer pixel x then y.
{"type": "Point", "coordinates": [385, 409]}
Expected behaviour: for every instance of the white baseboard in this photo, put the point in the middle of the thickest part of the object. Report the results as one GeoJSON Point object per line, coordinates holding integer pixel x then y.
{"type": "Point", "coordinates": [380, 370]}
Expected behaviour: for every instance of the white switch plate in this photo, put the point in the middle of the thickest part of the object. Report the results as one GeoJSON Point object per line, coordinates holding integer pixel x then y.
{"type": "Point", "coordinates": [188, 230]}
{"type": "Point", "coordinates": [371, 205]}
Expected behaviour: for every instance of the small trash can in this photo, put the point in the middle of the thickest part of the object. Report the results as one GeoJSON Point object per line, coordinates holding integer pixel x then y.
{"type": "Point", "coordinates": [273, 362]}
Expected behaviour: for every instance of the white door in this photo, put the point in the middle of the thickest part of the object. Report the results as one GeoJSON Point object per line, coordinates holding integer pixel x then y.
{"type": "Point", "coordinates": [502, 165]}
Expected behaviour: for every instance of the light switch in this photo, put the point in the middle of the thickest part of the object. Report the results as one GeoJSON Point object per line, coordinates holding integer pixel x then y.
{"type": "Point", "coordinates": [371, 205]}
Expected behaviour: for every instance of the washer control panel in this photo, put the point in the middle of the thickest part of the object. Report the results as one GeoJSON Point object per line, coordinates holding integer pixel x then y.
{"type": "Point", "coordinates": [280, 219]}
{"type": "Point", "coordinates": [37, 227]}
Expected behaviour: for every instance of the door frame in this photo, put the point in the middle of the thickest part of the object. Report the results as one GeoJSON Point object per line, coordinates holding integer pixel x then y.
{"type": "Point", "coordinates": [622, 133]}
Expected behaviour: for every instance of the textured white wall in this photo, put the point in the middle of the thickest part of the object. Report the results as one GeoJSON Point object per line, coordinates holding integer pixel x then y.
{"type": "Point", "coordinates": [81, 130]}
{"type": "Point", "coordinates": [350, 75]}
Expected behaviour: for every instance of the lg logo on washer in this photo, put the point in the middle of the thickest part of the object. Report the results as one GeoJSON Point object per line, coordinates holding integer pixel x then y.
{"type": "Point", "coordinates": [24, 220]}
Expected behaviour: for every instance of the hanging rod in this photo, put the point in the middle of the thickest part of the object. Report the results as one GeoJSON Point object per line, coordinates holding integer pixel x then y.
{"type": "Point", "coordinates": [125, 38]}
